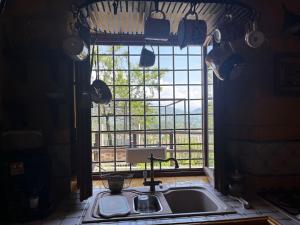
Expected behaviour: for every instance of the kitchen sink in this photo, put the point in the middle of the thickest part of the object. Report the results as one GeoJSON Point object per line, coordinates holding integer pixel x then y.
{"type": "Point", "coordinates": [170, 202]}
{"type": "Point", "coordinates": [147, 203]}
{"type": "Point", "coordinates": [193, 200]}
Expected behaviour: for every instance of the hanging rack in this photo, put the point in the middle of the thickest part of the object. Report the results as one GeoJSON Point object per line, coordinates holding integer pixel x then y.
{"type": "Point", "coordinates": [128, 22]}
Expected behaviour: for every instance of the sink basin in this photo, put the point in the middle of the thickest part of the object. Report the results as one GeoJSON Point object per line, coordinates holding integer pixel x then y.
{"type": "Point", "coordinates": [192, 200]}
{"type": "Point", "coordinates": [147, 203]}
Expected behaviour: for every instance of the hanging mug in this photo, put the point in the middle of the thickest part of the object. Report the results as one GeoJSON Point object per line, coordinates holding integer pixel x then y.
{"type": "Point", "coordinates": [147, 58]}
{"type": "Point", "coordinates": [191, 32]}
{"type": "Point", "coordinates": [254, 38]}
{"type": "Point", "coordinates": [157, 29]}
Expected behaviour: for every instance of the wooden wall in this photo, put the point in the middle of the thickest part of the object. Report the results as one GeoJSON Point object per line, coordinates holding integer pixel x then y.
{"type": "Point", "coordinates": [35, 78]}
{"type": "Point", "coordinates": [261, 129]}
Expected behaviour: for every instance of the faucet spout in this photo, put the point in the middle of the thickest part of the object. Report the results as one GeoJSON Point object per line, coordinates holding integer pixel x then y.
{"type": "Point", "coordinates": [167, 160]}
{"type": "Point", "coordinates": [152, 183]}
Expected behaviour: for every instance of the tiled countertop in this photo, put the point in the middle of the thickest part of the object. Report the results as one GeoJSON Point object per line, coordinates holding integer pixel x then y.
{"type": "Point", "coordinates": [71, 212]}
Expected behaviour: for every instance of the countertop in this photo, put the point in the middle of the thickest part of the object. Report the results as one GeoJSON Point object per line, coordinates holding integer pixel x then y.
{"type": "Point", "coordinates": [71, 211]}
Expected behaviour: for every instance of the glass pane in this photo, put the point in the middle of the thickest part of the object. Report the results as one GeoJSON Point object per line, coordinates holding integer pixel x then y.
{"type": "Point", "coordinates": [121, 78]}
{"type": "Point", "coordinates": [95, 139]}
{"type": "Point", "coordinates": [195, 121]}
{"type": "Point", "coordinates": [94, 122]}
{"type": "Point", "coordinates": [166, 92]}
{"type": "Point", "coordinates": [167, 122]}
{"type": "Point", "coordinates": [121, 62]}
{"type": "Point", "coordinates": [136, 92]}
{"type": "Point", "coordinates": [122, 108]}
{"type": "Point", "coordinates": [196, 137]}
{"type": "Point", "coordinates": [166, 77]}
{"type": "Point", "coordinates": [151, 92]}
{"type": "Point", "coordinates": [94, 109]}
{"type": "Point", "coordinates": [134, 62]}
{"type": "Point", "coordinates": [181, 107]}
{"type": "Point", "coordinates": [152, 122]}
{"type": "Point", "coordinates": [106, 139]}
{"type": "Point", "coordinates": [95, 155]}
{"type": "Point", "coordinates": [210, 122]}
{"type": "Point", "coordinates": [210, 107]}
{"type": "Point", "coordinates": [151, 77]}
{"type": "Point", "coordinates": [107, 77]}
{"type": "Point", "coordinates": [152, 139]}
{"type": "Point", "coordinates": [137, 77]}
{"type": "Point", "coordinates": [181, 92]}
{"type": "Point", "coordinates": [210, 76]}
{"type": "Point", "coordinates": [181, 121]}
{"type": "Point", "coordinates": [181, 77]}
{"type": "Point", "coordinates": [210, 91]}
{"type": "Point", "coordinates": [137, 122]}
{"type": "Point", "coordinates": [107, 123]}
{"type": "Point", "coordinates": [121, 92]}
{"type": "Point", "coordinates": [152, 108]}
{"type": "Point", "coordinates": [166, 62]}
{"type": "Point", "coordinates": [195, 106]}
{"type": "Point", "coordinates": [195, 77]}
{"type": "Point", "coordinates": [195, 62]}
{"type": "Point", "coordinates": [195, 92]}
{"type": "Point", "coordinates": [137, 107]}
{"type": "Point", "coordinates": [180, 62]}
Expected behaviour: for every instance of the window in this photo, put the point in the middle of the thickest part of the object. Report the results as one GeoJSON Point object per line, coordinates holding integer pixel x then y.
{"type": "Point", "coordinates": [164, 105]}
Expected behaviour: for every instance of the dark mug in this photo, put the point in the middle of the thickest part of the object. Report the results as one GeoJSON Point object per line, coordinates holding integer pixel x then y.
{"type": "Point", "coordinates": [191, 32]}
{"type": "Point", "coordinates": [147, 58]}
{"type": "Point", "coordinates": [157, 29]}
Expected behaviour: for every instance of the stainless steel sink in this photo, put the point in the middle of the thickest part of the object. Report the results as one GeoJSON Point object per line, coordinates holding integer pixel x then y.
{"type": "Point", "coordinates": [147, 203]}
{"type": "Point", "coordinates": [193, 200]}
{"type": "Point", "coordinates": [171, 202]}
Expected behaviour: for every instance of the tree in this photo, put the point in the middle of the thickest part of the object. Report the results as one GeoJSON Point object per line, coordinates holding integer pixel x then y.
{"type": "Point", "coordinates": [107, 64]}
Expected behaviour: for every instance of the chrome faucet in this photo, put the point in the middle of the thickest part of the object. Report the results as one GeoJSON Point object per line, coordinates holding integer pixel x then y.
{"type": "Point", "coordinates": [152, 182]}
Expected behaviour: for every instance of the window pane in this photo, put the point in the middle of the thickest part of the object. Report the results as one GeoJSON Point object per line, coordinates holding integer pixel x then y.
{"type": "Point", "coordinates": [136, 92]}
{"type": "Point", "coordinates": [166, 77]}
{"type": "Point", "coordinates": [195, 92]}
{"type": "Point", "coordinates": [137, 122]}
{"type": "Point", "coordinates": [121, 92]}
{"type": "Point", "coordinates": [121, 62]}
{"type": "Point", "coordinates": [181, 77]}
{"type": "Point", "coordinates": [195, 77]}
{"type": "Point", "coordinates": [181, 92]}
{"type": "Point", "coordinates": [166, 62]}
{"type": "Point", "coordinates": [121, 78]}
{"type": "Point", "coordinates": [166, 92]}
{"type": "Point", "coordinates": [195, 62]}
{"type": "Point", "coordinates": [195, 121]}
{"type": "Point", "coordinates": [137, 107]}
{"type": "Point", "coordinates": [180, 62]}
